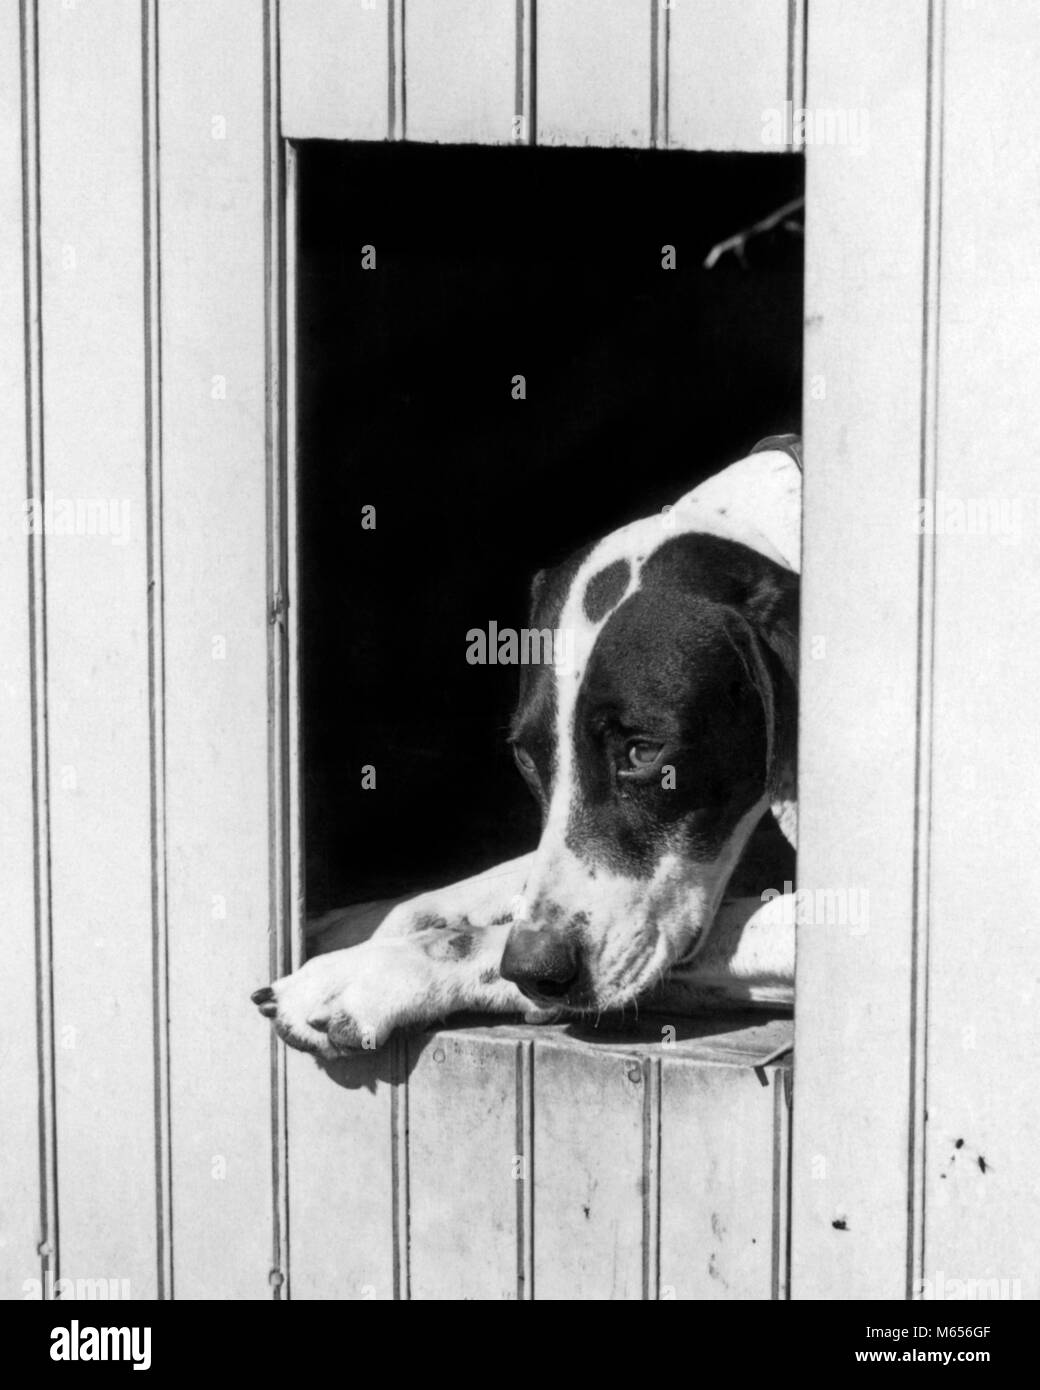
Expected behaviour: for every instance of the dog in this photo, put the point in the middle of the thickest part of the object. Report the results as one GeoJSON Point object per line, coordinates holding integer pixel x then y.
{"type": "Point", "coordinates": [654, 750]}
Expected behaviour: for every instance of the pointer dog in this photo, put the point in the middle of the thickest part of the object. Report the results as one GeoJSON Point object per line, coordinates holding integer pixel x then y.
{"type": "Point", "coordinates": [653, 750]}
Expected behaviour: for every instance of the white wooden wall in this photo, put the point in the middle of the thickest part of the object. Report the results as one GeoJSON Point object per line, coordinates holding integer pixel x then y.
{"type": "Point", "coordinates": [154, 1131]}
{"type": "Point", "coordinates": [453, 1167]}
{"type": "Point", "coordinates": [673, 74]}
{"type": "Point", "coordinates": [141, 886]}
{"type": "Point", "coordinates": [917, 1114]}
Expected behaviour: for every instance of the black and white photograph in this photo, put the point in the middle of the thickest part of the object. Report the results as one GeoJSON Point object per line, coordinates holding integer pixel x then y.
{"type": "Point", "coordinates": [520, 623]}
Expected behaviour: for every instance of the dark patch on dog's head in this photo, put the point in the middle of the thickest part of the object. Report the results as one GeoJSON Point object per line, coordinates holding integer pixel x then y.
{"type": "Point", "coordinates": [700, 663]}
{"type": "Point", "coordinates": [765, 599]}
{"type": "Point", "coordinates": [605, 589]}
{"type": "Point", "coordinates": [734, 575]}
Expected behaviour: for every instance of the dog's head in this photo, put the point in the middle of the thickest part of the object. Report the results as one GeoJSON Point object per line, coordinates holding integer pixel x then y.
{"type": "Point", "coordinates": [653, 748]}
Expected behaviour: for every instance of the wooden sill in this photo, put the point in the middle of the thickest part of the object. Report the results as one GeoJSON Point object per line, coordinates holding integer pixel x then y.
{"type": "Point", "coordinates": [750, 1039]}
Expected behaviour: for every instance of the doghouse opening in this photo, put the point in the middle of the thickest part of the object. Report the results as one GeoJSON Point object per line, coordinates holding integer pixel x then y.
{"type": "Point", "coordinates": [429, 280]}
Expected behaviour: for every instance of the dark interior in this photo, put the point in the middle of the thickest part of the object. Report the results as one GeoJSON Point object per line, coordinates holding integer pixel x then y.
{"type": "Point", "coordinates": [640, 382]}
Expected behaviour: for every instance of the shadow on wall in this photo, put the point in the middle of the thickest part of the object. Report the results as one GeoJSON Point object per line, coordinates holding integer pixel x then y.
{"type": "Point", "coordinates": [640, 381]}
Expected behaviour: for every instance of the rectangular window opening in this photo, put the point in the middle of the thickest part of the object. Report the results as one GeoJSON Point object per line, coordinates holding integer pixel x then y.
{"type": "Point", "coordinates": [432, 487]}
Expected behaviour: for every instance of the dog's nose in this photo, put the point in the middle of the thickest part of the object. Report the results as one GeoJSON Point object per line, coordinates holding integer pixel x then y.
{"type": "Point", "coordinates": [543, 964]}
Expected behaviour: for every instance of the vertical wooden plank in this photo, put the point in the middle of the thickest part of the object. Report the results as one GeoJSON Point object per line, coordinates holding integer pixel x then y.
{"type": "Point", "coordinates": [341, 1178]}
{"type": "Point", "coordinates": [718, 1206]}
{"type": "Point", "coordinates": [982, 1202]}
{"type": "Point", "coordinates": [97, 637]}
{"type": "Point", "coordinates": [589, 1178]}
{"type": "Point", "coordinates": [729, 74]}
{"type": "Point", "coordinates": [335, 69]}
{"type": "Point", "coordinates": [864, 382]}
{"type": "Point", "coordinates": [25, 1213]}
{"type": "Point", "coordinates": [463, 1167]}
{"type": "Point", "coordinates": [460, 70]}
{"type": "Point", "coordinates": [594, 73]}
{"type": "Point", "coordinates": [215, 232]}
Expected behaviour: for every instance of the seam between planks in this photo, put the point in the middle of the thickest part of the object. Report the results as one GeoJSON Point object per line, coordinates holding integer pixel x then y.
{"type": "Point", "coordinates": [156, 643]}
{"type": "Point", "coordinates": [931, 276]}
{"type": "Point", "coordinates": [797, 39]}
{"type": "Point", "coordinates": [659, 36]}
{"type": "Point", "coordinates": [48, 1248]}
{"type": "Point", "coordinates": [524, 91]}
{"type": "Point", "coordinates": [652, 1083]}
{"type": "Point", "coordinates": [279, 811]}
{"type": "Point", "coordinates": [781, 1253]}
{"type": "Point", "coordinates": [400, 1196]}
{"type": "Point", "coordinates": [525, 1178]}
{"type": "Point", "coordinates": [396, 95]}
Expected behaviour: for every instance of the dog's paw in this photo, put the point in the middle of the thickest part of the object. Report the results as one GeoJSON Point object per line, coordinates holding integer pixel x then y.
{"type": "Point", "coordinates": [342, 1003]}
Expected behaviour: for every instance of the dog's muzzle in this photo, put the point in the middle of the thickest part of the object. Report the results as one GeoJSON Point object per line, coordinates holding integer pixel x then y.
{"type": "Point", "coordinates": [544, 965]}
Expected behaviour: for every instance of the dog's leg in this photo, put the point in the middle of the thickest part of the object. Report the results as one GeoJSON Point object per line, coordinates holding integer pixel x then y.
{"type": "Point", "coordinates": [747, 959]}
{"type": "Point", "coordinates": [430, 956]}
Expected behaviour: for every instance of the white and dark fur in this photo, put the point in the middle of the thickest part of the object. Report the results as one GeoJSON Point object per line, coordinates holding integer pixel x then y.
{"type": "Point", "coordinates": [653, 750]}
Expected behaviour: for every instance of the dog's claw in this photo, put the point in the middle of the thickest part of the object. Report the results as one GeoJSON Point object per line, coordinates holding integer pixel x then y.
{"type": "Point", "coordinates": [264, 1001]}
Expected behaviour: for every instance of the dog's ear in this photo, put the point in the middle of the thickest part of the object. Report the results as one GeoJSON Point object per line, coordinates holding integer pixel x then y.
{"type": "Point", "coordinates": [537, 590]}
{"type": "Point", "coordinates": [772, 609]}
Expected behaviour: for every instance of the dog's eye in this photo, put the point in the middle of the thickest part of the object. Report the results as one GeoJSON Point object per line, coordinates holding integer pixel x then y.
{"type": "Point", "coordinates": [524, 761]}
{"type": "Point", "coordinates": [640, 752]}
